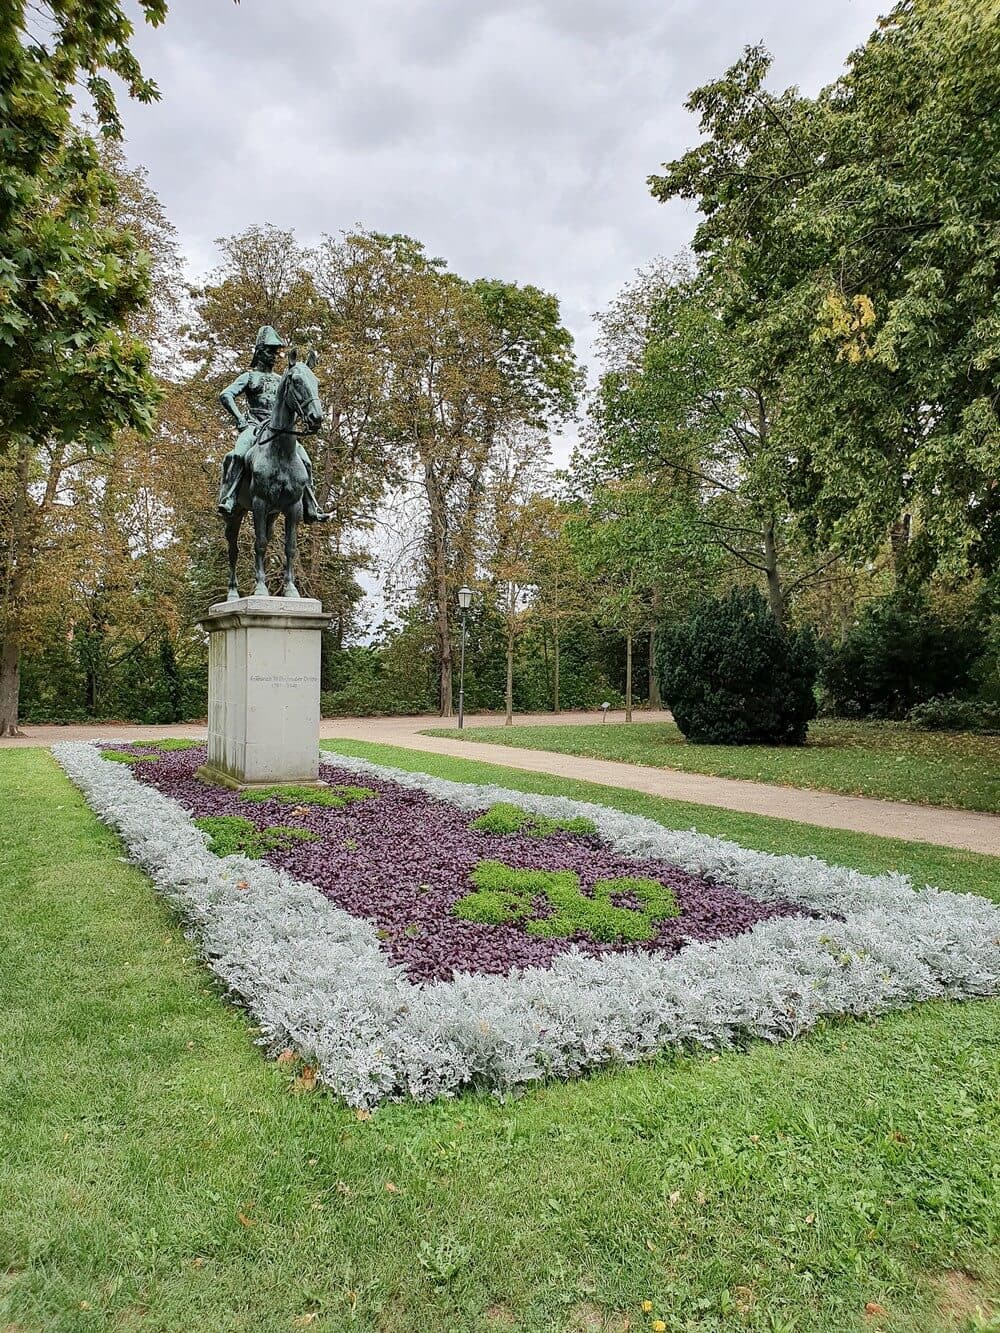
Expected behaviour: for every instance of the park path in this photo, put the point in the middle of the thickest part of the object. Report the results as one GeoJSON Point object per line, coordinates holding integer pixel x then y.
{"type": "Point", "coordinates": [962, 829]}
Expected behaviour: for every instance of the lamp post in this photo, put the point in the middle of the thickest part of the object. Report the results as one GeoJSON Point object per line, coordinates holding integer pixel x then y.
{"type": "Point", "coordinates": [464, 602]}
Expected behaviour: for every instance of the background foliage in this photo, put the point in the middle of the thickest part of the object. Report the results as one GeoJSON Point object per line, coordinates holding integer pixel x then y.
{"type": "Point", "coordinates": [805, 404]}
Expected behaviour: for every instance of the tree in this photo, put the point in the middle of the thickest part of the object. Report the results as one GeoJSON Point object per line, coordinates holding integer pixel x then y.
{"type": "Point", "coordinates": [624, 539]}
{"type": "Point", "coordinates": [853, 234]}
{"type": "Point", "coordinates": [67, 280]}
{"type": "Point", "coordinates": [472, 365]}
{"type": "Point", "coordinates": [517, 523]}
{"type": "Point", "coordinates": [562, 594]}
{"type": "Point", "coordinates": [692, 404]}
{"type": "Point", "coordinates": [74, 292]}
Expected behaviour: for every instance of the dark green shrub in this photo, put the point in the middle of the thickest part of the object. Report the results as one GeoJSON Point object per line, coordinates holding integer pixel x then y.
{"type": "Point", "coordinates": [899, 654]}
{"type": "Point", "coordinates": [956, 715]}
{"type": "Point", "coordinates": [731, 676]}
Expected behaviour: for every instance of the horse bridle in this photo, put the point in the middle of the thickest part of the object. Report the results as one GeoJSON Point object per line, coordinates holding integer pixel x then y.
{"type": "Point", "coordinates": [299, 434]}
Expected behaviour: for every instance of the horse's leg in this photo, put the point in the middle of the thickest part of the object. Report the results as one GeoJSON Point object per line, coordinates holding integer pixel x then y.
{"type": "Point", "coordinates": [260, 545]}
{"type": "Point", "coordinates": [293, 517]}
{"type": "Point", "coordinates": [233, 525]}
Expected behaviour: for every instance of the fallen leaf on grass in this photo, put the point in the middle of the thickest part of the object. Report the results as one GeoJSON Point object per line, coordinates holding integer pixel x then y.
{"type": "Point", "coordinates": [362, 1114]}
{"type": "Point", "coordinates": [287, 1056]}
{"type": "Point", "coordinates": [304, 1320]}
{"type": "Point", "coordinates": [744, 1299]}
{"type": "Point", "coordinates": [198, 1263]}
{"type": "Point", "coordinates": [873, 1308]}
{"type": "Point", "coordinates": [390, 1188]}
{"type": "Point", "coordinates": [246, 1221]}
{"type": "Point", "coordinates": [306, 1081]}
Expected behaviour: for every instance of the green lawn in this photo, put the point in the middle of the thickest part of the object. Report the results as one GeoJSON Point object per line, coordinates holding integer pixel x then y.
{"type": "Point", "coordinates": [885, 759]}
{"type": "Point", "coordinates": [158, 1173]}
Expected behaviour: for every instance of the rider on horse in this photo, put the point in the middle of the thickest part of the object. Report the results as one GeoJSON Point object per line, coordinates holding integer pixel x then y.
{"type": "Point", "coordinates": [258, 385]}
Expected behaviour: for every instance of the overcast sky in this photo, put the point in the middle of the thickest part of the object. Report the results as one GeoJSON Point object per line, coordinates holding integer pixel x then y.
{"type": "Point", "coordinates": [513, 139]}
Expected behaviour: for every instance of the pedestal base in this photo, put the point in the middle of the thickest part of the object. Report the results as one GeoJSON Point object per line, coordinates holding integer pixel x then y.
{"type": "Point", "coordinates": [263, 690]}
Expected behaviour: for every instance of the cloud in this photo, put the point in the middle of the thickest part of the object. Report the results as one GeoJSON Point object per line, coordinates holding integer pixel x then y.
{"type": "Point", "coordinates": [514, 138]}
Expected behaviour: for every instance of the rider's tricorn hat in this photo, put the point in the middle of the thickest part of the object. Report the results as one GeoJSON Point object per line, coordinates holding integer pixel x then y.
{"type": "Point", "coordinates": [267, 337]}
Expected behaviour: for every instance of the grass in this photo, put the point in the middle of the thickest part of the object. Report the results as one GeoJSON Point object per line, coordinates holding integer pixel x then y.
{"type": "Point", "coordinates": [884, 759]}
{"type": "Point", "coordinates": [159, 1174]}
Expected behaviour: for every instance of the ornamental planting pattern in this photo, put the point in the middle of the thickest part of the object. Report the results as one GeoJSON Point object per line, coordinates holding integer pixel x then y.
{"type": "Point", "coordinates": [325, 981]}
{"type": "Point", "coordinates": [407, 862]}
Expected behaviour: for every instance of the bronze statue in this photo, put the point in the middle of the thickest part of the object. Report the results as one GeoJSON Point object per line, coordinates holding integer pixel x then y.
{"type": "Point", "coordinates": [274, 472]}
{"type": "Point", "coordinates": [258, 385]}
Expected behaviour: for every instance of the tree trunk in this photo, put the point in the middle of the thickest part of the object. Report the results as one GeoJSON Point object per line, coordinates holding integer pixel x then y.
{"type": "Point", "coordinates": [509, 695]}
{"type": "Point", "coordinates": [899, 541]}
{"type": "Point", "coordinates": [18, 559]}
{"type": "Point", "coordinates": [654, 680]}
{"type": "Point", "coordinates": [545, 658]}
{"type": "Point", "coordinates": [439, 582]}
{"type": "Point", "coordinates": [555, 669]}
{"type": "Point", "coordinates": [656, 603]}
{"type": "Point", "coordinates": [775, 595]}
{"type": "Point", "coordinates": [10, 684]}
{"type": "Point", "coordinates": [628, 678]}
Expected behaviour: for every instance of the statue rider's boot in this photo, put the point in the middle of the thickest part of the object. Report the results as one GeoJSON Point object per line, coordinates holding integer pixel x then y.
{"type": "Point", "coordinates": [232, 476]}
{"type": "Point", "coordinates": [311, 512]}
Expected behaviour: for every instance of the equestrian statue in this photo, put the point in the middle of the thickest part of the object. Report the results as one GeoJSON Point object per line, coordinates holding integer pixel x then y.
{"type": "Point", "coordinates": [268, 472]}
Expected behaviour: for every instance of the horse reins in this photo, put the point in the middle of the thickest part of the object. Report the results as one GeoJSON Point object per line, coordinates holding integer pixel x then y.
{"type": "Point", "coordinates": [299, 434]}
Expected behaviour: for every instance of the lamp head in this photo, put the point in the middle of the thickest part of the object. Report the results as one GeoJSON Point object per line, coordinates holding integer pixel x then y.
{"type": "Point", "coordinates": [464, 598]}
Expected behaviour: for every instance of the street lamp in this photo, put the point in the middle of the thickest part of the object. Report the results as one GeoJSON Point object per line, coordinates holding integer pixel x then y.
{"type": "Point", "coordinates": [464, 602]}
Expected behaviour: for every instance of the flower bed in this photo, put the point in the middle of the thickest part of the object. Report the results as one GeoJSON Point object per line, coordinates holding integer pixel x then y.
{"type": "Point", "coordinates": [416, 866]}
{"type": "Point", "coordinates": [466, 935]}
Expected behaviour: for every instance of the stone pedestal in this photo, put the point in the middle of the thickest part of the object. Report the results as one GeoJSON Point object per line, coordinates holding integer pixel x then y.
{"type": "Point", "coordinates": [263, 690]}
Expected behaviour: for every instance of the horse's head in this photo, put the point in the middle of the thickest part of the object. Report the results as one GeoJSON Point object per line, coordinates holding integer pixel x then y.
{"type": "Point", "coordinates": [301, 390]}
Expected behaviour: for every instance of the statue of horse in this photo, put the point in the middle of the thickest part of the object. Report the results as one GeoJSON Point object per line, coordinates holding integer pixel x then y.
{"type": "Point", "coordinates": [275, 476]}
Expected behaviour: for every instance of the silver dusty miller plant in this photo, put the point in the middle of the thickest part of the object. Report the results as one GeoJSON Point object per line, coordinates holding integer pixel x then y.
{"type": "Point", "coordinates": [314, 977]}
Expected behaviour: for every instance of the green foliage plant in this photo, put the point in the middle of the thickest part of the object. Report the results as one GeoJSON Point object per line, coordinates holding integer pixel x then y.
{"type": "Point", "coordinates": [507, 896]}
{"type": "Point", "coordinates": [503, 817]}
{"type": "Point", "coordinates": [168, 744]}
{"type": "Point", "coordinates": [231, 835]}
{"type": "Point", "coordinates": [897, 655]}
{"type": "Point", "coordinates": [334, 797]}
{"type": "Point", "coordinates": [732, 676]}
{"type": "Point", "coordinates": [978, 715]}
{"type": "Point", "coordinates": [123, 757]}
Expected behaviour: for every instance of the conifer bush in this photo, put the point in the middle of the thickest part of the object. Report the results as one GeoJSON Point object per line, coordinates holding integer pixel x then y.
{"type": "Point", "coordinates": [732, 676]}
